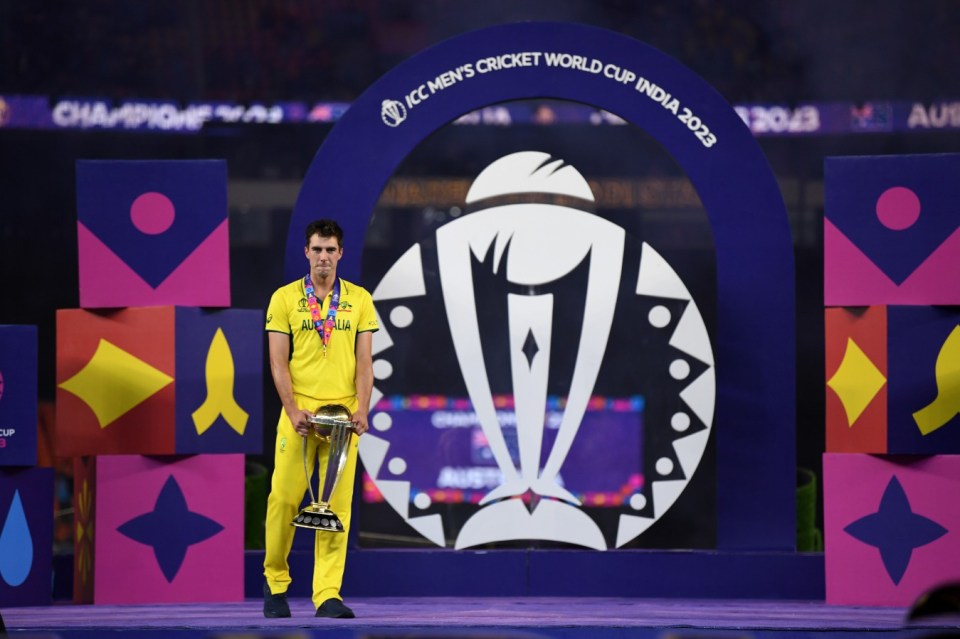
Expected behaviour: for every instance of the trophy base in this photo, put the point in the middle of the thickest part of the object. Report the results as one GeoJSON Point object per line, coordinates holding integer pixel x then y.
{"type": "Point", "coordinates": [318, 517]}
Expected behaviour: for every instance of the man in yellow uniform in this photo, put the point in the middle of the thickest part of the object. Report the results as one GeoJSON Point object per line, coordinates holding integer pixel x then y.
{"type": "Point", "coordinates": [320, 334]}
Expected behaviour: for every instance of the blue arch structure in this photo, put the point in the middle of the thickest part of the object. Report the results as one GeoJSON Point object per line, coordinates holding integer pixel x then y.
{"type": "Point", "coordinates": [755, 333]}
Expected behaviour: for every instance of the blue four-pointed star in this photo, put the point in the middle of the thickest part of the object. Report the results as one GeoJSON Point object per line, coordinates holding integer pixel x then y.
{"type": "Point", "coordinates": [895, 530]}
{"type": "Point", "coordinates": [170, 528]}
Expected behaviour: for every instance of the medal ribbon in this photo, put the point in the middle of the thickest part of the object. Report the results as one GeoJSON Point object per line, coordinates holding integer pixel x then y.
{"type": "Point", "coordinates": [324, 327]}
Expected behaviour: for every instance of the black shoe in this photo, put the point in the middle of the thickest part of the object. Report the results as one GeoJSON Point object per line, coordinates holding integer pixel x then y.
{"type": "Point", "coordinates": [334, 608]}
{"type": "Point", "coordinates": [274, 606]}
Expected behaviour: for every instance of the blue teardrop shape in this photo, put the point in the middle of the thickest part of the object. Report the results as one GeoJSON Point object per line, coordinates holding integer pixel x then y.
{"type": "Point", "coordinates": [16, 546]}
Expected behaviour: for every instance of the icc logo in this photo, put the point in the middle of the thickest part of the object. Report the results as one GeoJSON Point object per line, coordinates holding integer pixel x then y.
{"type": "Point", "coordinates": [393, 113]}
{"type": "Point", "coordinates": [534, 296]}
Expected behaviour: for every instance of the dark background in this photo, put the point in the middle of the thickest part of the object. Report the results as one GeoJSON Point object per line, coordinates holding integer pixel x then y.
{"type": "Point", "coordinates": [267, 51]}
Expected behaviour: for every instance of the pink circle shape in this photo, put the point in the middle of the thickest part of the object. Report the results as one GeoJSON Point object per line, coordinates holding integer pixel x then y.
{"type": "Point", "coordinates": [152, 213]}
{"type": "Point", "coordinates": [898, 208]}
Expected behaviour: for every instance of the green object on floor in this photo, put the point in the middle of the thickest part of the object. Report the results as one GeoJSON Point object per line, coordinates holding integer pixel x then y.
{"type": "Point", "coordinates": [809, 537]}
{"type": "Point", "coordinates": [255, 506]}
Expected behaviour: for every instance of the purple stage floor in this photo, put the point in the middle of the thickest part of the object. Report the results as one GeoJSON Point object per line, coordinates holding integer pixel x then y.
{"type": "Point", "coordinates": [488, 617]}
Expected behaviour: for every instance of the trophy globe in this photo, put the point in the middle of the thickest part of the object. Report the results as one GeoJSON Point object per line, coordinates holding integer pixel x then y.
{"type": "Point", "coordinates": [330, 424]}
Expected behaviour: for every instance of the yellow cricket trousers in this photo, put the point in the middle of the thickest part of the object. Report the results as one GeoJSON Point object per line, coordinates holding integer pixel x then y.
{"type": "Point", "coordinates": [288, 486]}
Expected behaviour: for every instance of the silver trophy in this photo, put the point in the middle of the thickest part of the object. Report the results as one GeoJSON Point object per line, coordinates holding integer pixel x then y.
{"type": "Point", "coordinates": [331, 424]}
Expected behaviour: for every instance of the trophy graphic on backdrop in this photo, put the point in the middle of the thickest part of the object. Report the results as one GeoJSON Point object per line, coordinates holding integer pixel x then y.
{"type": "Point", "coordinates": [535, 243]}
{"type": "Point", "coordinates": [533, 261]}
{"type": "Point", "coordinates": [331, 424]}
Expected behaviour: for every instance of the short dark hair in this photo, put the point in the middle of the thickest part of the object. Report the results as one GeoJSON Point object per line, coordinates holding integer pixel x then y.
{"type": "Point", "coordinates": [324, 228]}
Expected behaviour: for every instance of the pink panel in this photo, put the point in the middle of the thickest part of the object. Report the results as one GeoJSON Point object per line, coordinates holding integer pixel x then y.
{"type": "Point", "coordinates": [169, 529]}
{"type": "Point", "coordinates": [202, 279]}
{"type": "Point", "coordinates": [853, 279]}
{"type": "Point", "coordinates": [892, 527]}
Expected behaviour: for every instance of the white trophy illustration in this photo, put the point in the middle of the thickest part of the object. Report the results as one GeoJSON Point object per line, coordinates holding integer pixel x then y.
{"type": "Point", "coordinates": [531, 245]}
{"type": "Point", "coordinates": [546, 242]}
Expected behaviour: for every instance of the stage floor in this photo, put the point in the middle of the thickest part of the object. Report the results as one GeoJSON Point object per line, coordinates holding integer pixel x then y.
{"type": "Point", "coordinates": [482, 617]}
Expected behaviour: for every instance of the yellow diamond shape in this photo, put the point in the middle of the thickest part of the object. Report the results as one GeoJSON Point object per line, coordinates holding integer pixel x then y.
{"type": "Point", "coordinates": [114, 381]}
{"type": "Point", "coordinates": [856, 382]}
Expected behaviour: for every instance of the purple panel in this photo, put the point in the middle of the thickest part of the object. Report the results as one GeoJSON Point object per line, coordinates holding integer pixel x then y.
{"type": "Point", "coordinates": [168, 529]}
{"type": "Point", "coordinates": [891, 527]}
{"type": "Point", "coordinates": [907, 202]}
{"type": "Point", "coordinates": [639, 573]}
{"type": "Point", "coordinates": [25, 112]}
{"type": "Point", "coordinates": [26, 536]}
{"type": "Point", "coordinates": [920, 342]}
{"type": "Point", "coordinates": [575, 573]}
{"type": "Point", "coordinates": [142, 220]}
{"type": "Point", "coordinates": [417, 573]}
{"type": "Point", "coordinates": [454, 462]}
{"type": "Point", "coordinates": [238, 427]}
{"type": "Point", "coordinates": [18, 395]}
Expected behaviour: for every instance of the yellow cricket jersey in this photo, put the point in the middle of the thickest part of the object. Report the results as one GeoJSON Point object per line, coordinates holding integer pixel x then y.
{"type": "Point", "coordinates": [323, 378]}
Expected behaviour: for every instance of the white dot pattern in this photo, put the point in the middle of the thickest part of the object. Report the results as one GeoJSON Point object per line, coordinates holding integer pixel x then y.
{"type": "Point", "coordinates": [401, 317]}
{"type": "Point", "coordinates": [382, 421]}
{"type": "Point", "coordinates": [397, 465]}
{"type": "Point", "coordinates": [382, 369]}
{"type": "Point", "coordinates": [679, 369]}
{"type": "Point", "coordinates": [659, 316]}
{"type": "Point", "coordinates": [664, 466]}
{"type": "Point", "coordinates": [680, 422]}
